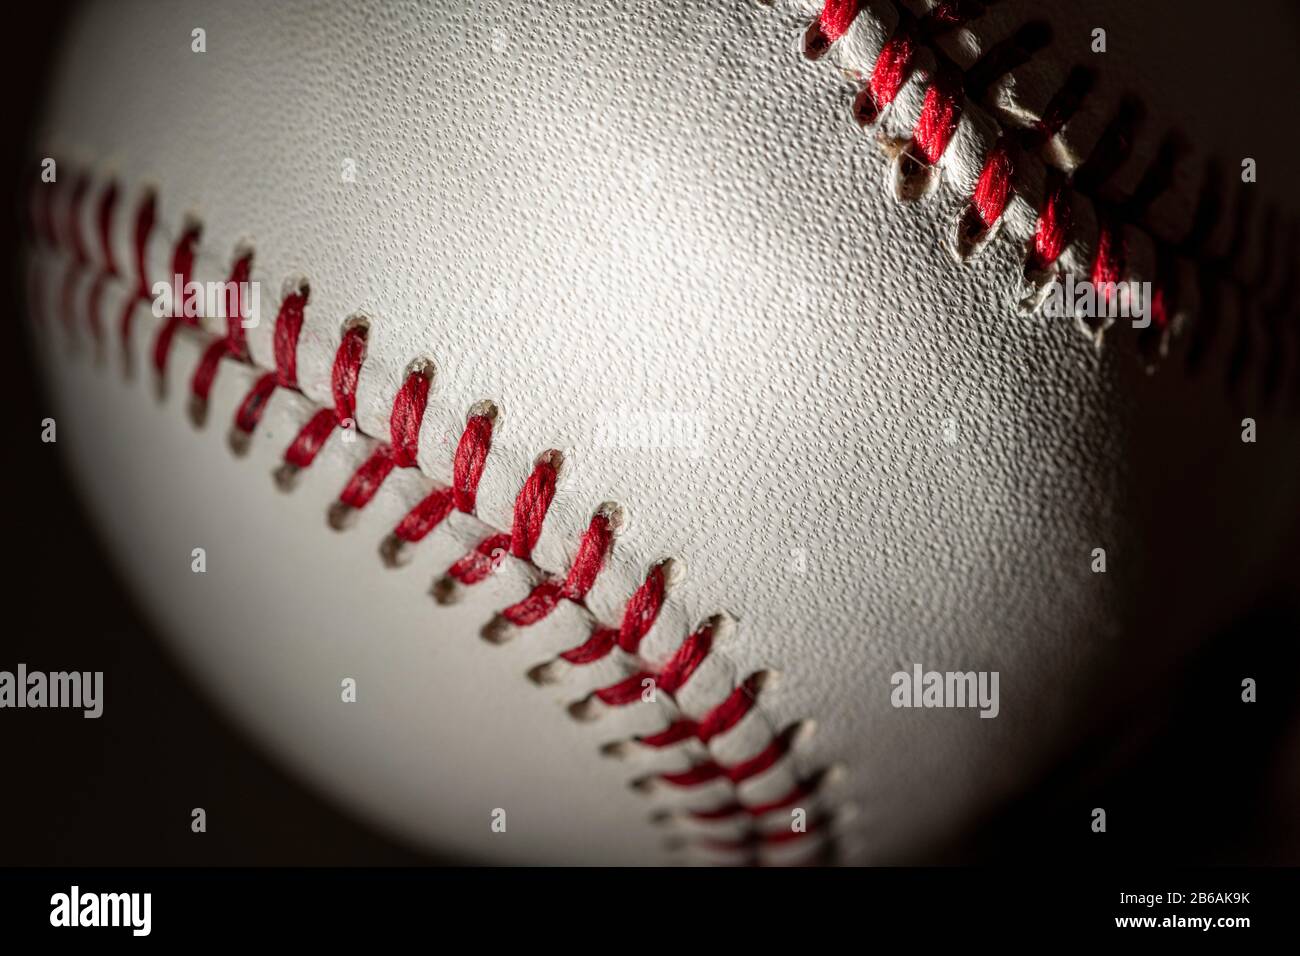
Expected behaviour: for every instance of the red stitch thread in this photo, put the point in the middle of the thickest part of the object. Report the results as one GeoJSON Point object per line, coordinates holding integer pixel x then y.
{"type": "Point", "coordinates": [642, 609]}
{"type": "Point", "coordinates": [206, 371]}
{"type": "Point", "coordinates": [761, 838]}
{"type": "Point", "coordinates": [467, 469]}
{"type": "Point", "coordinates": [93, 307]}
{"type": "Point", "coordinates": [471, 456]}
{"type": "Point", "coordinates": [236, 306]}
{"type": "Point", "coordinates": [1108, 265]}
{"type": "Point", "coordinates": [78, 199]}
{"type": "Point", "coordinates": [250, 409]}
{"type": "Point", "coordinates": [994, 186]}
{"type": "Point", "coordinates": [144, 222]}
{"type": "Point", "coordinates": [404, 431]}
{"type": "Point", "coordinates": [107, 203]}
{"type": "Point", "coordinates": [939, 117]}
{"type": "Point", "coordinates": [233, 344]}
{"type": "Point", "coordinates": [892, 68]}
{"type": "Point", "coordinates": [482, 561]}
{"type": "Point", "coordinates": [690, 654]}
{"type": "Point", "coordinates": [425, 516]}
{"type": "Point", "coordinates": [710, 770]}
{"type": "Point", "coordinates": [730, 712]}
{"type": "Point", "coordinates": [627, 691]}
{"type": "Point", "coordinates": [343, 384]}
{"type": "Point", "coordinates": [800, 791]}
{"type": "Point", "coordinates": [288, 326]}
{"type": "Point", "coordinates": [600, 643]}
{"type": "Point", "coordinates": [836, 18]}
{"type": "Point", "coordinates": [1053, 224]}
{"type": "Point", "coordinates": [676, 732]}
{"type": "Point", "coordinates": [582, 575]}
{"type": "Point", "coordinates": [183, 266]}
{"type": "Point", "coordinates": [531, 505]}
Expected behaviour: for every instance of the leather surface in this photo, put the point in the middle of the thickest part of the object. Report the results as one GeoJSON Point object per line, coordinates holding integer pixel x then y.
{"type": "Point", "coordinates": [654, 237]}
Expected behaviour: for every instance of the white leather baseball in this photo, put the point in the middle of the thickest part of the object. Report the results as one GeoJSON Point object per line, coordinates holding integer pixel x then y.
{"type": "Point", "coordinates": [655, 240]}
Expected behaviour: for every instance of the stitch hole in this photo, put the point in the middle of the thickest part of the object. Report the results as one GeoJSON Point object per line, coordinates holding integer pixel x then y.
{"type": "Point", "coordinates": [238, 440]}
{"type": "Point", "coordinates": [444, 591]}
{"type": "Point", "coordinates": [816, 44]}
{"type": "Point", "coordinates": [296, 285]}
{"type": "Point", "coordinates": [500, 631]}
{"type": "Point", "coordinates": [286, 477]}
{"type": "Point", "coordinates": [1037, 284]}
{"type": "Point", "coordinates": [618, 749]}
{"type": "Point", "coordinates": [585, 710]}
{"type": "Point", "coordinates": [340, 516]}
{"type": "Point", "coordinates": [484, 409]}
{"type": "Point", "coordinates": [547, 673]}
{"type": "Point", "coordinates": [865, 110]}
{"type": "Point", "coordinates": [911, 177]}
{"type": "Point", "coordinates": [615, 516]}
{"type": "Point", "coordinates": [970, 235]}
{"type": "Point", "coordinates": [673, 571]}
{"type": "Point", "coordinates": [425, 368]}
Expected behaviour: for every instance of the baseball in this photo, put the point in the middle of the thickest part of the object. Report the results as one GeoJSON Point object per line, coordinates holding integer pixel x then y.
{"type": "Point", "coordinates": [675, 433]}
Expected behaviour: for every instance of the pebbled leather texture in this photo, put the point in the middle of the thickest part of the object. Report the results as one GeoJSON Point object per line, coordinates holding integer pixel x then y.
{"type": "Point", "coordinates": [653, 235]}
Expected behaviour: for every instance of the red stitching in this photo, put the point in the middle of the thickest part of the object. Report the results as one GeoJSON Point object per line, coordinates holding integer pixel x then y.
{"type": "Point", "coordinates": [107, 203]}
{"type": "Point", "coordinates": [288, 326]}
{"type": "Point", "coordinates": [343, 384]}
{"type": "Point", "coordinates": [836, 18]}
{"type": "Point", "coordinates": [710, 770]}
{"type": "Point", "coordinates": [939, 117]}
{"type": "Point", "coordinates": [892, 68]}
{"type": "Point", "coordinates": [582, 575]}
{"type": "Point", "coordinates": [1053, 224]}
{"type": "Point", "coordinates": [471, 456]}
{"type": "Point", "coordinates": [601, 642]}
{"type": "Point", "coordinates": [482, 561]}
{"type": "Point", "coordinates": [941, 112]}
{"type": "Point", "coordinates": [233, 344]}
{"type": "Point", "coordinates": [399, 452]}
{"type": "Point", "coordinates": [79, 190]}
{"type": "Point", "coordinates": [641, 611]}
{"type": "Point", "coordinates": [531, 504]}
{"type": "Point", "coordinates": [183, 266]}
{"type": "Point", "coordinates": [993, 189]}
{"type": "Point", "coordinates": [467, 469]}
{"type": "Point", "coordinates": [1108, 264]}
{"type": "Point", "coordinates": [799, 791]}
